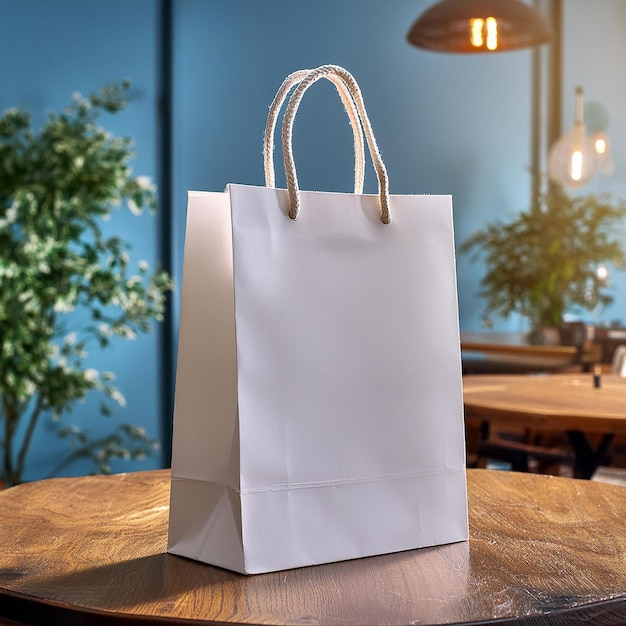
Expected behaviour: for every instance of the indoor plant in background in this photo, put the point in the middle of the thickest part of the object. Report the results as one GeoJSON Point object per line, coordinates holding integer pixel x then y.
{"type": "Point", "coordinates": [548, 261]}
{"type": "Point", "coordinates": [65, 285]}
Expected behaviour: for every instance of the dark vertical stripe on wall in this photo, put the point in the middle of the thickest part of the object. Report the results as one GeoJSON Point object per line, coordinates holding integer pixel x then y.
{"type": "Point", "coordinates": [164, 79]}
{"type": "Point", "coordinates": [555, 72]}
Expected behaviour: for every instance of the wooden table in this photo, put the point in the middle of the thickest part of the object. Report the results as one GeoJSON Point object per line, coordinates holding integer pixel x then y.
{"type": "Point", "coordinates": [91, 550]}
{"type": "Point", "coordinates": [558, 402]}
{"type": "Point", "coordinates": [517, 359]}
{"type": "Point", "coordinates": [495, 353]}
{"type": "Point", "coordinates": [523, 352]}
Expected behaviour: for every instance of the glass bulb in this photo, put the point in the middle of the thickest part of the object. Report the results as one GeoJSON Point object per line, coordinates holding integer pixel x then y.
{"type": "Point", "coordinates": [573, 160]}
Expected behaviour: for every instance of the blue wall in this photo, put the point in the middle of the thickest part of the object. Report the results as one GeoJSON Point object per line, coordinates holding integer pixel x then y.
{"type": "Point", "coordinates": [445, 123]}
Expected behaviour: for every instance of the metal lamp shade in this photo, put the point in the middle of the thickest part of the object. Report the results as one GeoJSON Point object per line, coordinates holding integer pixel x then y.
{"type": "Point", "coordinates": [470, 26]}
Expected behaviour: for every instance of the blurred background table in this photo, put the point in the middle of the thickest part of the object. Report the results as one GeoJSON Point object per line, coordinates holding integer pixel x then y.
{"type": "Point", "coordinates": [567, 403]}
{"type": "Point", "coordinates": [510, 353]}
{"type": "Point", "coordinates": [92, 550]}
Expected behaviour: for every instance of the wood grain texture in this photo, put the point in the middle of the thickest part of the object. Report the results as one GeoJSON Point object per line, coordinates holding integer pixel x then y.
{"type": "Point", "coordinates": [554, 402]}
{"type": "Point", "coordinates": [91, 550]}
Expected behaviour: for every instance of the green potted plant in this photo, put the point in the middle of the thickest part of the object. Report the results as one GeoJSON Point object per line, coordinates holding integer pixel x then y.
{"type": "Point", "coordinates": [548, 260]}
{"type": "Point", "coordinates": [65, 285]}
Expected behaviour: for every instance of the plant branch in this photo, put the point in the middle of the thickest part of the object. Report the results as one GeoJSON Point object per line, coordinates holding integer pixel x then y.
{"type": "Point", "coordinates": [28, 436]}
{"type": "Point", "coordinates": [11, 418]}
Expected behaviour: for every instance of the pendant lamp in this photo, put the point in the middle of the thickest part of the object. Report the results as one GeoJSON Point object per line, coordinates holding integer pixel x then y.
{"type": "Point", "coordinates": [576, 157]}
{"type": "Point", "coordinates": [470, 26]}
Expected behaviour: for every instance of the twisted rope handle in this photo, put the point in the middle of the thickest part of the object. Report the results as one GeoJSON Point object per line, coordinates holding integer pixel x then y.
{"type": "Point", "coordinates": [325, 71]}
{"type": "Point", "coordinates": [270, 126]}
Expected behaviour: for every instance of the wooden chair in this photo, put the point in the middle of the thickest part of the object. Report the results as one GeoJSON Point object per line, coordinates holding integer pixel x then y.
{"type": "Point", "coordinates": [524, 457]}
{"type": "Point", "coordinates": [524, 453]}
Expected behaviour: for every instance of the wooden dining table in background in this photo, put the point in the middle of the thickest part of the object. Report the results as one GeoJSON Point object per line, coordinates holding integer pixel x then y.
{"type": "Point", "coordinates": [521, 352]}
{"type": "Point", "coordinates": [499, 353]}
{"type": "Point", "coordinates": [543, 550]}
{"type": "Point", "coordinates": [568, 403]}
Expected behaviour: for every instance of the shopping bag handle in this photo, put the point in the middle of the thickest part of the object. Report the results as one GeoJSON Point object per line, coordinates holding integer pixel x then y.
{"type": "Point", "coordinates": [272, 117]}
{"type": "Point", "coordinates": [325, 71]}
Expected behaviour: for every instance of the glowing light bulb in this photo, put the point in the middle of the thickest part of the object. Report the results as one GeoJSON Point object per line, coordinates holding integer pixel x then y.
{"type": "Point", "coordinates": [602, 148]}
{"type": "Point", "coordinates": [574, 158]}
{"type": "Point", "coordinates": [476, 27]}
{"type": "Point", "coordinates": [602, 273]}
{"type": "Point", "coordinates": [481, 30]}
{"type": "Point", "coordinates": [576, 170]}
{"type": "Point", "coordinates": [492, 33]}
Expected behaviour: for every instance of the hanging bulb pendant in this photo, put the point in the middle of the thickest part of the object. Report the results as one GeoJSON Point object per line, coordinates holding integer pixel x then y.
{"type": "Point", "coordinates": [573, 160]}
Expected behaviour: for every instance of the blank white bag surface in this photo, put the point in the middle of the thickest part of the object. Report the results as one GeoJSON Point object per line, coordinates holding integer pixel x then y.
{"type": "Point", "coordinates": [391, 352]}
{"type": "Point", "coordinates": [324, 386]}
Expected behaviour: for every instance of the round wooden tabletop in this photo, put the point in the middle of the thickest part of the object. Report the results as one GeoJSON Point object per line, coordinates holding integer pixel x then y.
{"type": "Point", "coordinates": [92, 550]}
{"type": "Point", "coordinates": [554, 401]}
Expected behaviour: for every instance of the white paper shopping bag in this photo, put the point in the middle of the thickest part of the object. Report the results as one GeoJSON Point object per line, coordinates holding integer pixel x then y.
{"type": "Point", "coordinates": [318, 412]}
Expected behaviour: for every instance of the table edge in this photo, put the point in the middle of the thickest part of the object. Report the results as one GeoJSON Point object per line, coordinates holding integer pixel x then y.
{"type": "Point", "coordinates": [19, 607]}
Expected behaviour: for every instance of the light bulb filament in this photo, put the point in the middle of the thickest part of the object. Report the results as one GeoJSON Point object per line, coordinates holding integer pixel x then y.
{"type": "Point", "coordinates": [476, 25]}
{"type": "Point", "coordinates": [492, 33]}
{"type": "Point", "coordinates": [481, 30]}
{"type": "Point", "coordinates": [576, 170]}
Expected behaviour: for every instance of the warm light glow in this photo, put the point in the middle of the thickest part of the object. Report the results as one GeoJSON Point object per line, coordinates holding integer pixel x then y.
{"type": "Point", "coordinates": [602, 273]}
{"type": "Point", "coordinates": [576, 171]}
{"type": "Point", "coordinates": [600, 145]}
{"type": "Point", "coordinates": [476, 26]}
{"type": "Point", "coordinates": [492, 33]}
